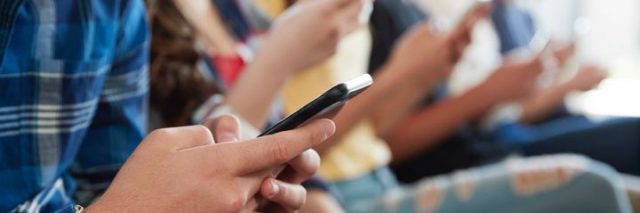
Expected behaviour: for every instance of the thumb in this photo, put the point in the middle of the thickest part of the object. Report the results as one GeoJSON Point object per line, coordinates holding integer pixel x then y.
{"type": "Point", "coordinates": [225, 128]}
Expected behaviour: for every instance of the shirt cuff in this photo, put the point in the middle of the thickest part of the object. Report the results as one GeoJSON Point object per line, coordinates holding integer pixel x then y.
{"type": "Point", "coordinates": [214, 108]}
{"type": "Point", "coordinates": [71, 209]}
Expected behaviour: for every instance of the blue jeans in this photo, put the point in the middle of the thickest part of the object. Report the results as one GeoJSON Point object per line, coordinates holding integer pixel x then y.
{"type": "Point", "coordinates": [565, 183]}
{"type": "Point", "coordinates": [614, 141]}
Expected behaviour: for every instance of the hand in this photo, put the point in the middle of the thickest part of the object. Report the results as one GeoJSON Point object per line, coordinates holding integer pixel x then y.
{"type": "Point", "coordinates": [183, 169]}
{"type": "Point", "coordinates": [587, 78]}
{"type": "Point", "coordinates": [308, 33]}
{"type": "Point", "coordinates": [460, 38]}
{"type": "Point", "coordinates": [563, 52]}
{"type": "Point", "coordinates": [424, 56]}
{"type": "Point", "coordinates": [512, 81]}
{"type": "Point", "coordinates": [290, 196]}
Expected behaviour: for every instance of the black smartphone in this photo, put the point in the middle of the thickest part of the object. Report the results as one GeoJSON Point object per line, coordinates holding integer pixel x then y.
{"type": "Point", "coordinates": [326, 104]}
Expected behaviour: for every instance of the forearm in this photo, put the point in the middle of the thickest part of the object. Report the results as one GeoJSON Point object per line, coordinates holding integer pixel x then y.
{"type": "Point", "coordinates": [206, 20]}
{"type": "Point", "coordinates": [424, 129]}
{"type": "Point", "coordinates": [540, 104]}
{"type": "Point", "coordinates": [405, 100]}
{"type": "Point", "coordinates": [252, 96]}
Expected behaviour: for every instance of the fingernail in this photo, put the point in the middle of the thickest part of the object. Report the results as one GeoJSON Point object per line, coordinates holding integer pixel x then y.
{"type": "Point", "coordinates": [330, 129]}
{"type": "Point", "coordinates": [274, 189]}
{"type": "Point", "coordinates": [227, 137]}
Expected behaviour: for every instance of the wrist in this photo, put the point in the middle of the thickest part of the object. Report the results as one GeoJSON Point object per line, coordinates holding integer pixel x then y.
{"type": "Point", "coordinates": [276, 64]}
{"type": "Point", "coordinates": [487, 95]}
{"type": "Point", "coordinates": [102, 204]}
{"type": "Point", "coordinates": [271, 68]}
{"type": "Point", "coordinates": [93, 208]}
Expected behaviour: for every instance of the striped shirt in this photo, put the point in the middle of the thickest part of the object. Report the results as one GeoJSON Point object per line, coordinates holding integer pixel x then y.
{"type": "Point", "coordinates": [73, 98]}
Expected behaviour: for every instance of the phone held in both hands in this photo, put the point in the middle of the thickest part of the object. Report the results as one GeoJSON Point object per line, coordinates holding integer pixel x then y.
{"type": "Point", "coordinates": [328, 103]}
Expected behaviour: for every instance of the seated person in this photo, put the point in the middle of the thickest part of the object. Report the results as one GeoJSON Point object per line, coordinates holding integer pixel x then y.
{"type": "Point", "coordinates": [452, 136]}
{"type": "Point", "coordinates": [544, 124]}
{"type": "Point", "coordinates": [183, 92]}
{"type": "Point", "coordinates": [355, 160]}
{"type": "Point", "coordinates": [74, 102]}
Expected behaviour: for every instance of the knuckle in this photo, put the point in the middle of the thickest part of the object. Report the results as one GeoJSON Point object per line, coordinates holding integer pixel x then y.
{"type": "Point", "coordinates": [201, 132]}
{"type": "Point", "coordinates": [160, 133]}
{"type": "Point", "coordinates": [314, 138]}
{"type": "Point", "coordinates": [236, 202]}
{"type": "Point", "coordinates": [281, 151]}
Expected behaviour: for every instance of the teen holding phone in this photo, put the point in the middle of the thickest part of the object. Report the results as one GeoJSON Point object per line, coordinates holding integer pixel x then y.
{"type": "Point", "coordinates": [288, 48]}
{"type": "Point", "coordinates": [59, 135]}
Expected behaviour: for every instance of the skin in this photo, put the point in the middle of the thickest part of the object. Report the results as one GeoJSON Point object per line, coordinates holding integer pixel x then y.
{"type": "Point", "coordinates": [204, 17]}
{"type": "Point", "coordinates": [321, 201]}
{"type": "Point", "coordinates": [185, 169]}
{"type": "Point", "coordinates": [539, 105]}
{"type": "Point", "coordinates": [427, 127]}
{"type": "Point", "coordinates": [401, 83]}
{"type": "Point", "coordinates": [291, 46]}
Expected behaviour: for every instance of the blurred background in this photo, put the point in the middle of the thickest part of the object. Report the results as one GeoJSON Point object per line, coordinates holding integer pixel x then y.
{"type": "Point", "coordinates": [607, 33]}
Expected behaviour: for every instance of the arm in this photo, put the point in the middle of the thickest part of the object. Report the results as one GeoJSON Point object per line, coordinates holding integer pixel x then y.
{"type": "Point", "coordinates": [401, 83]}
{"type": "Point", "coordinates": [539, 105]}
{"type": "Point", "coordinates": [204, 17]}
{"type": "Point", "coordinates": [425, 128]}
{"type": "Point", "coordinates": [291, 46]}
{"type": "Point", "coordinates": [119, 122]}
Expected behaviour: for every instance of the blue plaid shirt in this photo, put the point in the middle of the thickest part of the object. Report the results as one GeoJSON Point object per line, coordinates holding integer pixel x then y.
{"type": "Point", "coordinates": [73, 98]}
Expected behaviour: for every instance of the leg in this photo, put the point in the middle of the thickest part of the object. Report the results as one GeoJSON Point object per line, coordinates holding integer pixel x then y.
{"type": "Point", "coordinates": [615, 142]}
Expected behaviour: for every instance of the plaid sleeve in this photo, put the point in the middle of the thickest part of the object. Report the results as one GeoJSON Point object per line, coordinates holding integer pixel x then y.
{"type": "Point", "coordinates": [119, 123]}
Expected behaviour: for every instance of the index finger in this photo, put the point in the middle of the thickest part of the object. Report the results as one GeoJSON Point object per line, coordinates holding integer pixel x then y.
{"type": "Point", "coordinates": [273, 150]}
{"type": "Point", "coordinates": [339, 4]}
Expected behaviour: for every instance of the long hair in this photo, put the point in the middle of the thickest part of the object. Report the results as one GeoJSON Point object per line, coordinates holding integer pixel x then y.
{"type": "Point", "coordinates": [177, 86]}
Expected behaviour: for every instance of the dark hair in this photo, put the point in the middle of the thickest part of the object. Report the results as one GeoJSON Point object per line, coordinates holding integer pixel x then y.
{"type": "Point", "coordinates": [177, 86]}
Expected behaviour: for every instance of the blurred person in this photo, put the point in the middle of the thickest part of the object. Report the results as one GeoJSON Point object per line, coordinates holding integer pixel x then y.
{"type": "Point", "coordinates": [185, 92]}
{"type": "Point", "coordinates": [73, 98]}
{"type": "Point", "coordinates": [430, 137]}
{"type": "Point", "coordinates": [544, 124]}
{"type": "Point", "coordinates": [74, 106]}
{"type": "Point", "coordinates": [445, 125]}
{"type": "Point", "coordinates": [355, 160]}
